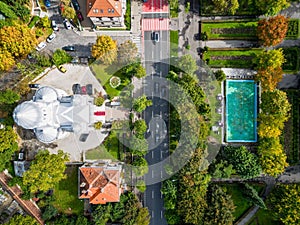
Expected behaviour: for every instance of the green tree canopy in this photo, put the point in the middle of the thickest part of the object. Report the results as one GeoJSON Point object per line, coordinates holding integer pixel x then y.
{"type": "Point", "coordinates": [140, 166]}
{"type": "Point", "coordinates": [227, 7]}
{"type": "Point", "coordinates": [270, 58]}
{"type": "Point", "coordinates": [272, 7]}
{"type": "Point", "coordinates": [69, 12]}
{"type": "Point", "coordinates": [18, 219]}
{"type": "Point", "coordinates": [220, 207]}
{"type": "Point", "coordinates": [141, 103]}
{"type": "Point", "coordinates": [139, 128]}
{"type": "Point", "coordinates": [46, 171]}
{"type": "Point", "coordinates": [105, 49]}
{"type": "Point", "coordinates": [60, 57]}
{"type": "Point", "coordinates": [284, 203]}
{"type": "Point", "coordinates": [138, 147]}
{"type": "Point", "coordinates": [251, 194]}
{"type": "Point", "coordinates": [9, 97]}
{"type": "Point", "coordinates": [187, 64]}
{"type": "Point", "coordinates": [8, 140]}
{"type": "Point", "coordinates": [244, 162]}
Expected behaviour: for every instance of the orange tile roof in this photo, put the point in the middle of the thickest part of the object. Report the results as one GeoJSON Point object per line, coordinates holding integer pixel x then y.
{"type": "Point", "coordinates": [100, 185]}
{"type": "Point", "coordinates": [104, 8]}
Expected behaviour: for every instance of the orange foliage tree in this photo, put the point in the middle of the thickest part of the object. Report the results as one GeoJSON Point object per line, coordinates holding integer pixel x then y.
{"type": "Point", "coordinates": [272, 31]}
{"type": "Point", "coordinates": [269, 78]}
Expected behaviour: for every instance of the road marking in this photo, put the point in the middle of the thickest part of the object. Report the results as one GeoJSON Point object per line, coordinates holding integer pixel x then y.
{"type": "Point", "coordinates": [152, 173]}
{"type": "Point", "coordinates": [152, 154]}
{"type": "Point", "coordinates": [161, 195]}
{"type": "Point", "coordinates": [152, 55]}
{"type": "Point", "coordinates": [161, 174]}
{"type": "Point", "coordinates": [152, 194]}
{"type": "Point", "coordinates": [161, 154]}
{"type": "Point", "coordinates": [161, 214]}
{"type": "Point", "coordinates": [152, 214]}
{"type": "Point", "coordinates": [152, 111]}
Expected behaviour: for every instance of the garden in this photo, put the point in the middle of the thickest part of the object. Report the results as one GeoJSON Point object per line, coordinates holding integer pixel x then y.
{"type": "Point", "coordinates": [292, 57]}
{"type": "Point", "coordinates": [290, 135]}
{"type": "Point", "coordinates": [293, 29]}
{"type": "Point", "coordinates": [245, 30]}
{"type": "Point", "coordinates": [233, 58]}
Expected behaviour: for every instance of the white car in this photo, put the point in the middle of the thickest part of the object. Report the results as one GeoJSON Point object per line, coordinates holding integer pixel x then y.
{"type": "Point", "coordinates": [41, 46]}
{"type": "Point", "coordinates": [54, 26]}
{"type": "Point", "coordinates": [67, 24]}
{"type": "Point", "coordinates": [51, 37]}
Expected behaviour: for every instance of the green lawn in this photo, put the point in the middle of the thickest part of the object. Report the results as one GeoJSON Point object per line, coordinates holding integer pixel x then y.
{"type": "Point", "coordinates": [174, 43]}
{"type": "Point", "coordinates": [104, 72]}
{"type": "Point", "coordinates": [242, 205]}
{"type": "Point", "coordinates": [109, 149]}
{"type": "Point", "coordinates": [263, 217]}
{"type": "Point", "coordinates": [231, 58]}
{"type": "Point", "coordinates": [230, 30]}
{"type": "Point", "coordinates": [174, 7]}
{"type": "Point", "coordinates": [66, 193]}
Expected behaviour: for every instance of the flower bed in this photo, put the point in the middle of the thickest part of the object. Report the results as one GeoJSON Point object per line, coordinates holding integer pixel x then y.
{"type": "Point", "coordinates": [114, 82]}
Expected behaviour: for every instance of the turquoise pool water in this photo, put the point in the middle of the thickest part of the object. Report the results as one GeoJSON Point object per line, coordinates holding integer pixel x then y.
{"type": "Point", "coordinates": [241, 111]}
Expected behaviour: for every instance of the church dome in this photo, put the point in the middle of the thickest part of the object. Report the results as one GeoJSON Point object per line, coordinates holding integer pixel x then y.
{"type": "Point", "coordinates": [28, 115]}
{"type": "Point", "coordinates": [46, 94]}
{"type": "Point", "coordinates": [46, 134]}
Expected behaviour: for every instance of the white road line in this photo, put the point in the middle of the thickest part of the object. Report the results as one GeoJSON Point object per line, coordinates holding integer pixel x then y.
{"type": "Point", "coordinates": [152, 111]}
{"type": "Point", "coordinates": [152, 194]}
{"type": "Point", "coordinates": [152, 154]}
{"type": "Point", "coordinates": [152, 214]}
{"type": "Point", "coordinates": [152, 173]}
{"type": "Point", "coordinates": [161, 214]}
{"type": "Point", "coordinates": [152, 55]}
{"type": "Point", "coordinates": [161, 195]}
{"type": "Point", "coordinates": [161, 155]}
{"type": "Point", "coordinates": [161, 174]}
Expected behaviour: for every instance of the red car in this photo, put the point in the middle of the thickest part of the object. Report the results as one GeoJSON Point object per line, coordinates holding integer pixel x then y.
{"type": "Point", "coordinates": [83, 90]}
{"type": "Point", "coordinates": [79, 15]}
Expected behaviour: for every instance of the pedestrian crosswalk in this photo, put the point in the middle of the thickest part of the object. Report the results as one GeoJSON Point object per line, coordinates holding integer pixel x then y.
{"type": "Point", "coordinates": [137, 40]}
{"type": "Point", "coordinates": [155, 24]}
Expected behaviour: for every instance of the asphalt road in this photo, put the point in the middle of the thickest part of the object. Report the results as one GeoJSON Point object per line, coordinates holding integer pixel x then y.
{"type": "Point", "coordinates": [156, 56]}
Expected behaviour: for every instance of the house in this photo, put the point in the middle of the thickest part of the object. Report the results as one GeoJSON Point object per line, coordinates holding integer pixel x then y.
{"type": "Point", "coordinates": [106, 13]}
{"type": "Point", "coordinates": [101, 182]}
{"type": "Point", "coordinates": [20, 167]}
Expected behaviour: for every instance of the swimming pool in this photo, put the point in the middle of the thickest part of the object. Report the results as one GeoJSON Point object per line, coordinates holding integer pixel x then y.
{"type": "Point", "coordinates": [241, 111]}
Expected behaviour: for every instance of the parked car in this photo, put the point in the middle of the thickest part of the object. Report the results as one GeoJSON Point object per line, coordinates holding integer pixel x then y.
{"type": "Point", "coordinates": [51, 37]}
{"type": "Point", "coordinates": [89, 89]}
{"type": "Point", "coordinates": [83, 137]}
{"type": "Point", "coordinates": [62, 69]}
{"type": "Point", "coordinates": [76, 5]}
{"type": "Point", "coordinates": [67, 24]}
{"type": "Point", "coordinates": [79, 16]}
{"type": "Point", "coordinates": [69, 48]}
{"type": "Point", "coordinates": [40, 46]}
{"type": "Point", "coordinates": [54, 26]}
{"type": "Point", "coordinates": [75, 60]}
{"type": "Point", "coordinates": [83, 90]}
{"type": "Point", "coordinates": [76, 88]}
{"type": "Point", "coordinates": [47, 3]}
{"type": "Point", "coordinates": [34, 85]}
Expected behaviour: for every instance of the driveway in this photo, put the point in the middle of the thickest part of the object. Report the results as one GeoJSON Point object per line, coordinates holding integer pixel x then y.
{"type": "Point", "coordinates": [82, 75]}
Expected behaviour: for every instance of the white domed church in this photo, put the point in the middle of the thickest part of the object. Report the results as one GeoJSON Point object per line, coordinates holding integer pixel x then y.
{"type": "Point", "coordinates": [52, 114]}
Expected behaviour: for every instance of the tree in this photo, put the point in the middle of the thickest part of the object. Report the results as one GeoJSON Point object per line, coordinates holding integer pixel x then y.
{"type": "Point", "coordinates": [244, 162]}
{"type": "Point", "coordinates": [269, 126]}
{"type": "Point", "coordinates": [9, 97]}
{"type": "Point", "coordinates": [272, 31]}
{"type": "Point", "coordinates": [224, 6]}
{"type": "Point", "coordinates": [127, 52]}
{"type": "Point", "coordinates": [221, 169]}
{"type": "Point", "coordinates": [269, 59]}
{"type": "Point", "coordinates": [6, 60]}
{"type": "Point", "coordinates": [284, 203]}
{"type": "Point", "coordinates": [139, 128]}
{"type": "Point", "coordinates": [272, 156]}
{"type": "Point", "coordinates": [46, 171]}
{"type": "Point", "coordinates": [18, 219]}
{"type": "Point", "coordinates": [98, 125]}
{"type": "Point", "coordinates": [141, 185]}
{"type": "Point", "coordinates": [8, 139]}
{"type": "Point", "coordinates": [269, 78]}
{"type": "Point", "coordinates": [272, 7]}
{"type": "Point", "coordinates": [251, 194]}
{"type": "Point", "coordinates": [105, 49]}
{"type": "Point", "coordinates": [69, 12]}
{"type": "Point", "coordinates": [49, 212]}
{"type": "Point", "coordinates": [141, 103]}
{"type": "Point", "coordinates": [140, 71]}
{"type": "Point", "coordinates": [60, 57]}
{"type": "Point", "coordinates": [138, 147]}
{"type": "Point", "coordinates": [7, 11]}
{"type": "Point", "coordinates": [140, 166]}
{"type": "Point", "coordinates": [99, 101]}
{"type": "Point", "coordinates": [220, 207]}
{"type": "Point", "coordinates": [220, 75]}
{"type": "Point", "coordinates": [19, 40]}
{"type": "Point", "coordinates": [187, 64]}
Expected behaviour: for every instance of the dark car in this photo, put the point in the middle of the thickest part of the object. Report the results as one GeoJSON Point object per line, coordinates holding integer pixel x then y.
{"type": "Point", "coordinates": [69, 48]}
{"type": "Point", "coordinates": [76, 88]}
{"type": "Point", "coordinates": [34, 85]}
{"type": "Point", "coordinates": [89, 89]}
{"type": "Point", "coordinates": [79, 16]}
{"type": "Point", "coordinates": [83, 137]}
{"type": "Point", "coordinates": [76, 5]}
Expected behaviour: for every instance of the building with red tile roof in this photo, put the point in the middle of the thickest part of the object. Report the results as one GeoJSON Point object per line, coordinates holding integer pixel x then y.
{"type": "Point", "coordinates": [101, 182]}
{"type": "Point", "coordinates": [106, 13]}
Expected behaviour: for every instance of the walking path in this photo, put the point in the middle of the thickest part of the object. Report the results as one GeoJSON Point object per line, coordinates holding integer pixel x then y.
{"type": "Point", "coordinates": [16, 193]}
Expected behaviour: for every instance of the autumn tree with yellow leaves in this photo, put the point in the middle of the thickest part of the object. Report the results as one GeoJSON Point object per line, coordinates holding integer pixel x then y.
{"type": "Point", "coordinates": [105, 49]}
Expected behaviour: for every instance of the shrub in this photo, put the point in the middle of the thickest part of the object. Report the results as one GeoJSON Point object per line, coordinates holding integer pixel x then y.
{"type": "Point", "coordinates": [204, 36]}
{"type": "Point", "coordinates": [34, 21]}
{"type": "Point", "coordinates": [60, 57]}
{"type": "Point", "coordinates": [98, 125]}
{"type": "Point", "coordinates": [99, 101]}
{"type": "Point", "coordinates": [114, 81]}
{"type": "Point", "coordinates": [141, 186]}
{"type": "Point", "coordinates": [220, 75]}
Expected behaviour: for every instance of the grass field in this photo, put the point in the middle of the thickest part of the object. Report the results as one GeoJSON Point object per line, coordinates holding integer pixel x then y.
{"type": "Point", "coordinates": [174, 43]}
{"type": "Point", "coordinates": [229, 30]}
{"type": "Point", "coordinates": [241, 203]}
{"type": "Point", "coordinates": [232, 58]}
{"type": "Point", "coordinates": [66, 193]}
